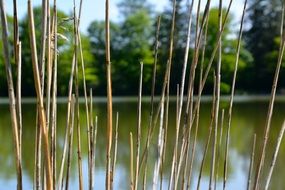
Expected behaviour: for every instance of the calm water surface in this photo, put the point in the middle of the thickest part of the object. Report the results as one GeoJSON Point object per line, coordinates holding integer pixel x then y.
{"type": "Point", "coordinates": [248, 118]}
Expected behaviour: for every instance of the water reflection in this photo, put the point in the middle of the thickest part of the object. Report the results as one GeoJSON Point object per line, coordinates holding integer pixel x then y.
{"type": "Point", "coordinates": [248, 118]}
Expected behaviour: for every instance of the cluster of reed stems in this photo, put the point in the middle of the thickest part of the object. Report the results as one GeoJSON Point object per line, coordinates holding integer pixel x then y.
{"type": "Point", "coordinates": [47, 175]}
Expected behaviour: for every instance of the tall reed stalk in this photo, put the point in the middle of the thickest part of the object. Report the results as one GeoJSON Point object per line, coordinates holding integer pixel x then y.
{"type": "Point", "coordinates": [12, 100]}
{"type": "Point", "coordinates": [39, 95]}
{"type": "Point", "coordinates": [271, 104]}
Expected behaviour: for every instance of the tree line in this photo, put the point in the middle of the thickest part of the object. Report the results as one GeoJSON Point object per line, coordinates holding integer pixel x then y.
{"type": "Point", "coordinates": [133, 39]}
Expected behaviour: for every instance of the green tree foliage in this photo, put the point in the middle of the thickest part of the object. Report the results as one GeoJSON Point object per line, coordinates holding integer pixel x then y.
{"type": "Point", "coordinates": [65, 52]}
{"type": "Point", "coordinates": [264, 19]}
{"type": "Point", "coordinates": [130, 44]}
{"type": "Point", "coordinates": [229, 44]}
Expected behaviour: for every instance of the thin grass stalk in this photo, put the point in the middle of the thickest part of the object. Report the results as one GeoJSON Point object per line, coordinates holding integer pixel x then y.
{"type": "Point", "coordinates": [54, 97]}
{"type": "Point", "coordinates": [174, 158]}
{"type": "Point", "coordinates": [251, 163]}
{"type": "Point", "coordinates": [232, 93]}
{"type": "Point", "coordinates": [131, 163]}
{"type": "Point", "coordinates": [159, 151]}
{"type": "Point", "coordinates": [273, 162]}
{"type": "Point", "coordinates": [90, 152]}
{"type": "Point", "coordinates": [109, 97]}
{"type": "Point", "coordinates": [11, 93]}
{"type": "Point", "coordinates": [218, 93]}
{"type": "Point", "coordinates": [38, 150]}
{"type": "Point", "coordinates": [78, 127]}
{"type": "Point", "coordinates": [95, 141]}
{"type": "Point", "coordinates": [115, 151]}
{"type": "Point", "coordinates": [84, 89]}
{"type": "Point", "coordinates": [139, 110]}
{"type": "Point", "coordinates": [219, 148]}
{"type": "Point", "coordinates": [70, 142]}
{"type": "Point", "coordinates": [69, 99]}
{"type": "Point", "coordinates": [39, 95]}
{"type": "Point", "coordinates": [209, 136]}
{"type": "Point", "coordinates": [49, 64]}
{"type": "Point", "coordinates": [271, 104]}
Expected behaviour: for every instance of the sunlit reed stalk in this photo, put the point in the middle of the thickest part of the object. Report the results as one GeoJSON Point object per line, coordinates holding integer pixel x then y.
{"type": "Point", "coordinates": [109, 97]}
{"type": "Point", "coordinates": [276, 151]}
{"type": "Point", "coordinates": [217, 106]}
{"type": "Point", "coordinates": [251, 163]}
{"type": "Point", "coordinates": [70, 142]}
{"type": "Point", "coordinates": [209, 136]}
{"type": "Point", "coordinates": [159, 150]}
{"type": "Point", "coordinates": [53, 123]}
{"type": "Point", "coordinates": [139, 111]}
{"type": "Point", "coordinates": [39, 95]}
{"type": "Point", "coordinates": [152, 97]}
{"type": "Point", "coordinates": [19, 94]}
{"type": "Point", "coordinates": [232, 94]}
{"type": "Point", "coordinates": [163, 92]}
{"type": "Point", "coordinates": [219, 149]}
{"type": "Point", "coordinates": [115, 151]}
{"type": "Point", "coordinates": [271, 104]}
{"type": "Point", "coordinates": [131, 163]}
{"type": "Point", "coordinates": [8, 68]}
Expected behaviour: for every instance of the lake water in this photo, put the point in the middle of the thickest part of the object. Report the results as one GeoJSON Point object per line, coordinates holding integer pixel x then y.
{"type": "Point", "coordinates": [248, 118]}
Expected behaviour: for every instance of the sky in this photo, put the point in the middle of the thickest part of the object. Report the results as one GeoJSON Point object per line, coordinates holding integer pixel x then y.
{"type": "Point", "coordinates": [95, 9]}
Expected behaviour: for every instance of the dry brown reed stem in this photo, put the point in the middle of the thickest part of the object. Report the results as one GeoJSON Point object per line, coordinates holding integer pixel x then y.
{"type": "Point", "coordinates": [233, 92]}
{"type": "Point", "coordinates": [18, 61]}
{"type": "Point", "coordinates": [209, 135]}
{"type": "Point", "coordinates": [19, 94]}
{"type": "Point", "coordinates": [11, 93]}
{"type": "Point", "coordinates": [115, 151]}
{"type": "Point", "coordinates": [271, 104]}
{"type": "Point", "coordinates": [109, 97]}
{"type": "Point", "coordinates": [131, 163]}
{"type": "Point", "coordinates": [54, 96]}
{"type": "Point", "coordinates": [251, 163]}
{"type": "Point", "coordinates": [39, 95]}
{"type": "Point", "coordinates": [274, 158]}
{"type": "Point", "coordinates": [49, 63]}
{"type": "Point", "coordinates": [139, 111]}
{"type": "Point", "coordinates": [217, 106]}
{"type": "Point", "coordinates": [78, 127]}
{"type": "Point", "coordinates": [70, 142]}
{"type": "Point", "coordinates": [219, 148]}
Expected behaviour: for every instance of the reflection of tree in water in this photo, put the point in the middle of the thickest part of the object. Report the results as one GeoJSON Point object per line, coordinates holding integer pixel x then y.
{"type": "Point", "coordinates": [248, 118]}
